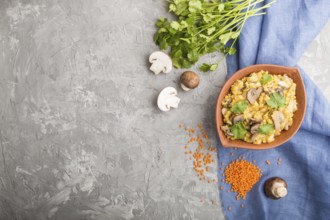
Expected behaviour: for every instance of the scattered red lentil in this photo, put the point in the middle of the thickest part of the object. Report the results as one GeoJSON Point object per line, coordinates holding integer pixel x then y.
{"type": "Point", "coordinates": [228, 190]}
{"type": "Point", "coordinates": [201, 158]}
{"type": "Point", "coordinates": [222, 163]}
{"type": "Point", "coordinates": [267, 162]}
{"type": "Point", "coordinates": [221, 187]}
{"type": "Point", "coordinates": [253, 161]}
{"type": "Point", "coordinates": [242, 175]}
{"type": "Point", "coordinates": [231, 154]}
{"type": "Point", "coordinates": [242, 206]}
{"type": "Point", "coordinates": [220, 168]}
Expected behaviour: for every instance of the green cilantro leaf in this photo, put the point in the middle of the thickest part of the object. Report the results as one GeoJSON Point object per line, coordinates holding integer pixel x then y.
{"type": "Point", "coordinates": [195, 5]}
{"type": "Point", "coordinates": [238, 130]}
{"type": "Point", "coordinates": [221, 7]}
{"type": "Point", "coordinates": [213, 67]}
{"type": "Point", "coordinates": [266, 129]}
{"type": "Point", "coordinates": [266, 78]}
{"type": "Point", "coordinates": [276, 100]}
{"type": "Point", "coordinates": [175, 25]}
{"type": "Point", "coordinates": [172, 7]}
{"type": "Point", "coordinates": [210, 30]}
{"type": "Point", "coordinates": [239, 107]}
{"type": "Point", "coordinates": [207, 67]}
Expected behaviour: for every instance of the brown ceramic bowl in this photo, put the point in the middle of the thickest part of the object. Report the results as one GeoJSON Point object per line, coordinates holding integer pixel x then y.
{"type": "Point", "coordinates": [298, 116]}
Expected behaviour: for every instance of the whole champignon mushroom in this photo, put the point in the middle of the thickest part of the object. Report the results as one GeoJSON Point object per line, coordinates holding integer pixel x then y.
{"type": "Point", "coordinates": [189, 80]}
{"type": "Point", "coordinates": [253, 94]}
{"type": "Point", "coordinates": [161, 62]}
{"type": "Point", "coordinates": [167, 98]}
{"type": "Point", "coordinates": [254, 128]}
{"type": "Point", "coordinates": [237, 118]}
{"type": "Point", "coordinates": [278, 118]}
{"type": "Point", "coordinates": [276, 188]}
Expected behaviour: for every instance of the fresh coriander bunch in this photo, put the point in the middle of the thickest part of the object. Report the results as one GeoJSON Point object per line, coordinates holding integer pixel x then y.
{"type": "Point", "coordinates": [204, 27]}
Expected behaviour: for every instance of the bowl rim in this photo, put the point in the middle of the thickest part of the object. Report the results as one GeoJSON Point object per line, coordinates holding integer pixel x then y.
{"type": "Point", "coordinates": [225, 142]}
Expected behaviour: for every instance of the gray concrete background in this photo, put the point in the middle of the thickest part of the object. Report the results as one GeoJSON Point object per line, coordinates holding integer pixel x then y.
{"type": "Point", "coordinates": [80, 134]}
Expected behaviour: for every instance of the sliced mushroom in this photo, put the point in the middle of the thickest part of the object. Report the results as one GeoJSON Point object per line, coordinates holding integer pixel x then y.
{"type": "Point", "coordinates": [254, 137]}
{"type": "Point", "coordinates": [253, 94]}
{"type": "Point", "coordinates": [226, 130]}
{"type": "Point", "coordinates": [237, 118]}
{"type": "Point", "coordinates": [161, 62]}
{"type": "Point", "coordinates": [280, 91]}
{"type": "Point", "coordinates": [254, 128]}
{"type": "Point", "coordinates": [278, 119]}
{"type": "Point", "coordinates": [167, 98]}
{"type": "Point", "coordinates": [254, 121]}
{"type": "Point", "coordinates": [224, 110]}
{"type": "Point", "coordinates": [283, 84]}
{"type": "Point", "coordinates": [292, 106]}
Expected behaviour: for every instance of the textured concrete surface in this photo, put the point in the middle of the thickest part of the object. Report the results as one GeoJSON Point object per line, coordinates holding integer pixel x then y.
{"type": "Point", "coordinates": [80, 134]}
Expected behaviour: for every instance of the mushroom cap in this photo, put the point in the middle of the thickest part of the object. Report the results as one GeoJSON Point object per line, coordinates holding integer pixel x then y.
{"type": "Point", "coordinates": [276, 188]}
{"type": "Point", "coordinates": [161, 62]}
{"type": "Point", "coordinates": [189, 79]}
{"type": "Point", "coordinates": [167, 98]}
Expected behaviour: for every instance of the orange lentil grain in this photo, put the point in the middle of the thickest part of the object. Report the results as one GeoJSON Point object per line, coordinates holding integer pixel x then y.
{"type": "Point", "coordinates": [253, 161]}
{"type": "Point", "coordinates": [185, 147]}
{"type": "Point", "coordinates": [242, 206]}
{"type": "Point", "coordinates": [221, 187]}
{"type": "Point", "coordinates": [222, 163]}
{"type": "Point", "coordinates": [267, 162]}
{"type": "Point", "coordinates": [242, 175]}
{"type": "Point", "coordinates": [231, 154]}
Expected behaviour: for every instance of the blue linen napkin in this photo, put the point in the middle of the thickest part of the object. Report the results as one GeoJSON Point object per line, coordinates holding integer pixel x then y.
{"type": "Point", "coordinates": [280, 37]}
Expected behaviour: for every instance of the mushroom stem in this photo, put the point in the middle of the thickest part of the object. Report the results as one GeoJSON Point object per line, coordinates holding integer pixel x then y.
{"type": "Point", "coordinates": [185, 88]}
{"type": "Point", "coordinates": [157, 67]}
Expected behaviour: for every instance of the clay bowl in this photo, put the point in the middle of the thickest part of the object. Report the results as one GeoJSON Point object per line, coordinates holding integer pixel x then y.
{"type": "Point", "coordinates": [298, 117]}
